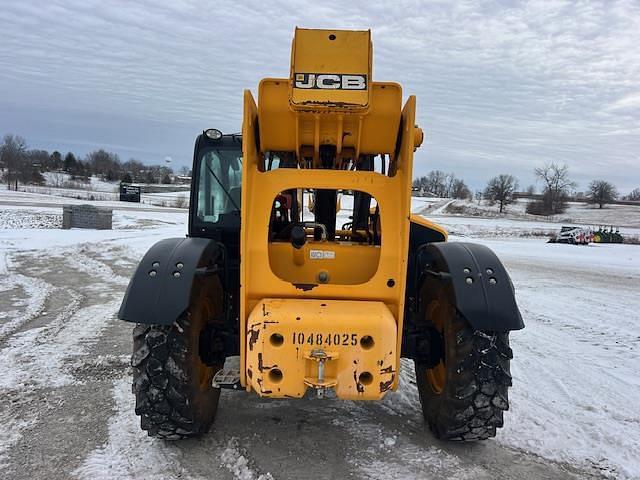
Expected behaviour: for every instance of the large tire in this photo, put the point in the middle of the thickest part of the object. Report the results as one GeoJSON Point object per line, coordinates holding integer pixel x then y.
{"type": "Point", "coordinates": [172, 385]}
{"type": "Point", "coordinates": [464, 395]}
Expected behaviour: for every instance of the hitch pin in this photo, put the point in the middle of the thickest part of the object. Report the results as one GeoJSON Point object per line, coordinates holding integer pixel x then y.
{"type": "Point", "coordinates": [320, 390]}
{"type": "Point", "coordinates": [321, 357]}
{"type": "Point", "coordinates": [321, 370]}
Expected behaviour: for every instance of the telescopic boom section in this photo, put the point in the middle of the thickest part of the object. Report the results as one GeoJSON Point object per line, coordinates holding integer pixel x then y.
{"type": "Point", "coordinates": [322, 303]}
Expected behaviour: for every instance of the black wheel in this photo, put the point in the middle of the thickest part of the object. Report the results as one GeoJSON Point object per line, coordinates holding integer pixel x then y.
{"type": "Point", "coordinates": [172, 385]}
{"type": "Point", "coordinates": [463, 389]}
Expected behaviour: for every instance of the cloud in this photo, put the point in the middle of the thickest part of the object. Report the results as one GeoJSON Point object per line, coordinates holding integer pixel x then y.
{"type": "Point", "coordinates": [628, 102]}
{"type": "Point", "coordinates": [501, 86]}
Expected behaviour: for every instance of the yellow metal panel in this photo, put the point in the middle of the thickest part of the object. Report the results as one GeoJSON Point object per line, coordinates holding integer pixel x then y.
{"type": "Point", "coordinates": [258, 279]}
{"type": "Point", "coordinates": [359, 339]}
{"type": "Point", "coordinates": [404, 172]}
{"type": "Point", "coordinates": [420, 220]}
{"type": "Point", "coordinates": [277, 120]}
{"type": "Point", "coordinates": [330, 63]}
{"type": "Point", "coordinates": [372, 133]}
{"type": "Point", "coordinates": [337, 261]}
{"type": "Point", "coordinates": [250, 161]}
{"type": "Point", "coordinates": [380, 125]}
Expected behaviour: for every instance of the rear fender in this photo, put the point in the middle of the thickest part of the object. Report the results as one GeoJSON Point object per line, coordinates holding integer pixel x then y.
{"type": "Point", "coordinates": [160, 288]}
{"type": "Point", "coordinates": [482, 289]}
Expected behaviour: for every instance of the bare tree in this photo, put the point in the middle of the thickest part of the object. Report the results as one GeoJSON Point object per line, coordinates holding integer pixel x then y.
{"type": "Point", "coordinates": [436, 183]}
{"type": "Point", "coordinates": [459, 189]}
{"type": "Point", "coordinates": [105, 164]}
{"type": "Point", "coordinates": [12, 156]}
{"type": "Point", "coordinates": [449, 182]}
{"type": "Point", "coordinates": [602, 192]}
{"type": "Point", "coordinates": [500, 189]}
{"type": "Point", "coordinates": [634, 195]}
{"type": "Point", "coordinates": [557, 186]}
{"type": "Point", "coordinates": [478, 196]}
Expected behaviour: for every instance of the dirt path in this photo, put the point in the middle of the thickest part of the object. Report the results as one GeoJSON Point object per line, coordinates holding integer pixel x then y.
{"type": "Point", "coordinates": [67, 408]}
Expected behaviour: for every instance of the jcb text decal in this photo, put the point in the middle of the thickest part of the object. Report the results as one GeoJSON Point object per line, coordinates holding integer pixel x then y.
{"type": "Point", "coordinates": [330, 81]}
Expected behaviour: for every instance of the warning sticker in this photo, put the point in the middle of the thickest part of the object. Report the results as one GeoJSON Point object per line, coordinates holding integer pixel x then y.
{"type": "Point", "coordinates": [322, 254]}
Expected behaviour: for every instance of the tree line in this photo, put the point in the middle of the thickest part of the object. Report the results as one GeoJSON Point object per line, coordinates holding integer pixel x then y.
{"type": "Point", "coordinates": [20, 164]}
{"type": "Point", "coordinates": [557, 189]}
{"type": "Point", "coordinates": [26, 166]}
{"type": "Point", "coordinates": [440, 184]}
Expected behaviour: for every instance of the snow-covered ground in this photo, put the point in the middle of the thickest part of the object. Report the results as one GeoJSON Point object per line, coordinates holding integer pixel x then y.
{"type": "Point", "coordinates": [577, 361]}
{"type": "Point", "coordinates": [97, 190]}
{"type": "Point", "coordinates": [67, 411]}
{"type": "Point", "coordinates": [44, 197]}
{"type": "Point", "coordinates": [61, 179]}
{"type": "Point", "coordinates": [577, 212]}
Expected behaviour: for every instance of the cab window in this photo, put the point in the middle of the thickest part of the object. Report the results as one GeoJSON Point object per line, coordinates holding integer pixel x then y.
{"type": "Point", "coordinates": [220, 180]}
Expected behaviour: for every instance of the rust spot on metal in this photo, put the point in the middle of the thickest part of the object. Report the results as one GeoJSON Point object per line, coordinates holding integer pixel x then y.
{"type": "Point", "coordinates": [388, 369]}
{"type": "Point", "coordinates": [384, 386]}
{"type": "Point", "coordinates": [264, 310]}
{"type": "Point", "coordinates": [261, 366]}
{"type": "Point", "coordinates": [380, 362]}
{"type": "Point", "coordinates": [264, 392]}
{"type": "Point", "coordinates": [250, 373]}
{"type": "Point", "coordinates": [253, 336]}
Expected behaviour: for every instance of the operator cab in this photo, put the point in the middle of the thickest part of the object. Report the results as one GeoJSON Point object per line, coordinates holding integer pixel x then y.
{"type": "Point", "coordinates": [216, 188]}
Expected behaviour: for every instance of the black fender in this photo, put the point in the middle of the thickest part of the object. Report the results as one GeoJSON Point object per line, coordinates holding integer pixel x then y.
{"type": "Point", "coordinates": [160, 289]}
{"type": "Point", "coordinates": [482, 289]}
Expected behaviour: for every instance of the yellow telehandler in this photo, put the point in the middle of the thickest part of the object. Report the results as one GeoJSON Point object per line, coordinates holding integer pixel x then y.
{"type": "Point", "coordinates": [303, 259]}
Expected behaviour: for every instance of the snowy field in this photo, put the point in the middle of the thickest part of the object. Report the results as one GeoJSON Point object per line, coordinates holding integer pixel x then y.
{"type": "Point", "coordinates": [102, 192]}
{"type": "Point", "coordinates": [67, 408]}
{"type": "Point", "coordinates": [576, 212]}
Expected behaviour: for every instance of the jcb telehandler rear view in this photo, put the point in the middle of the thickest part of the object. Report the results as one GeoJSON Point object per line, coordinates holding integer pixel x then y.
{"type": "Point", "coordinates": [304, 260]}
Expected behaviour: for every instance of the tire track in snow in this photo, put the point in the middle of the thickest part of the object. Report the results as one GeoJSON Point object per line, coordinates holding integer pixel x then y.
{"type": "Point", "coordinates": [36, 292]}
{"type": "Point", "coordinates": [399, 446]}
{"type": "Point", "coordinates": [37, 356]}
{"type": "Point", "coordinates": [84, 262]}
{"type": "Point", "coordinates": [129, 453]}
{"type": "Point", "coordinates": [30, 367]}
{"type": "Point", "coordinates": [12, 428]}
{"type": "Point", "coordinates": [40, 357]}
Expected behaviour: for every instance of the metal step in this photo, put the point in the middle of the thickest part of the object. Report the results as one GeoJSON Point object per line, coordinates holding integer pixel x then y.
{"type": "Point", "coordinates": [227, 378]}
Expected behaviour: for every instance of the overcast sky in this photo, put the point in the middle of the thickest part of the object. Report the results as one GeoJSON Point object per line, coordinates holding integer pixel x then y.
{"type": "Point", "coordinates": [502, 87]}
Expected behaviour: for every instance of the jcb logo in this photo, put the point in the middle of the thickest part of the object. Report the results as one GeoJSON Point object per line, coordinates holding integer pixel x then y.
{"type": "Point", "coordinates": [330, 81]}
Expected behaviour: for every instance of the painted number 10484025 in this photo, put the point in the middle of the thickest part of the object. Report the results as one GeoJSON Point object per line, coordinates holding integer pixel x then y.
{"type": "Point", "coordinates": [301, 338]}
